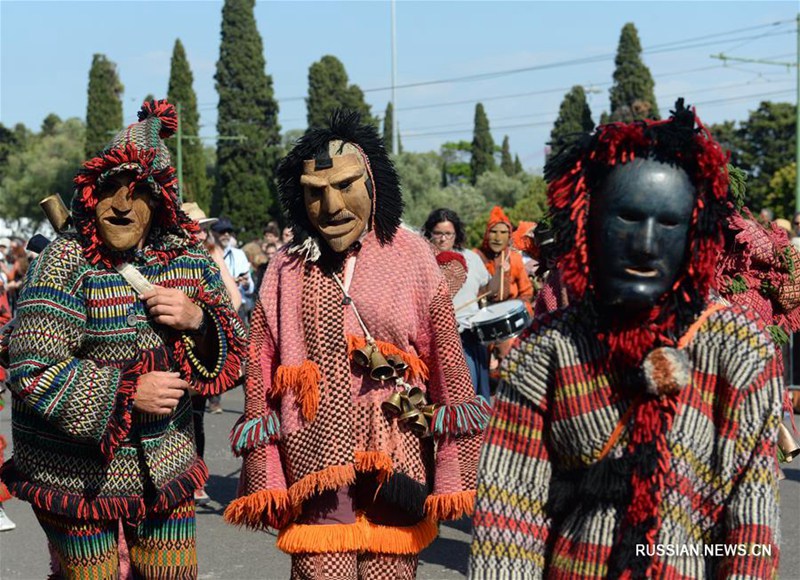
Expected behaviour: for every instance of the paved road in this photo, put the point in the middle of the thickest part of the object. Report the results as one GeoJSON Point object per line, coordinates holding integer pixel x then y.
{"type": "Point", "coordinates": [232, 554]}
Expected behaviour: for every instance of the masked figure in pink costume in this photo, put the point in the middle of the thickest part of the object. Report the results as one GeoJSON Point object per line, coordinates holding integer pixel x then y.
{"type": "Point", "coordinates": [361, 428]}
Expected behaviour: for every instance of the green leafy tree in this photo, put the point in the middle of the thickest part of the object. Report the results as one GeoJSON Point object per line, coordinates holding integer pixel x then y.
{"type": "Point", "coordinates": [762, 145]}
{"type": "Point", "coordinates": [501, 189]}
{"type": "Point", "coordinates": [482, 145]}
{"type": "Point", "coordinates": [50, 123]}
{"type": "Point", "coordinates": [104, 104]}
{"type": "Point", "coordinates": [421, 194]}
{"type": "Point", "coordinates": [388, 126]}
{"type": "Point", "coordinates": [518, 165]}
{"type": "Point", "coordinates": [632, 94]}
{"type": "Point", "coordinates": [455, 162]}
{"type": "Point", "coordinates": [44, 165]}
{"type": "Point", "coordinates": [506, 163]}
{"type": "Point", "coordinates": [247, 122]}
{"type": "Point", "coordinates": [180, 92]}
{"type": "Point", "coordinates": [781, 195]}
{"type": "Point", "coordinates": [767, 142]}
{"type": "Point", "coordinates": [8, 144]}
{"type": "Point", "coordinates": [532, 205]}
{"type": "Point", "coordinates": [328, 89]}
{"type": "Point", "coordinates": [574, 116]}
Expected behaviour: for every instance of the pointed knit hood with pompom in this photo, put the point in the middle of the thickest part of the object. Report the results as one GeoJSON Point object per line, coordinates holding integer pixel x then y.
{"type": "Point", "coordinates": [138, 148]}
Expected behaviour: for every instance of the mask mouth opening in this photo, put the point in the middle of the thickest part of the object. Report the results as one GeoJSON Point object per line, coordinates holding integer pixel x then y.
{"type": "Point", "coordinates": [119, 221]}
{"type": "Point", "coordinates": [642, 271]}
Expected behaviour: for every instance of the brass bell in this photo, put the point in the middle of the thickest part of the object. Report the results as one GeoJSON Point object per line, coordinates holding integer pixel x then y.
{"type": "Point", "coordinates": [416, 397]}
{"type": "Point", "coordinates": [398, 364]}
{"type": "Point", "coordinates": [418, 425]}
{"type": "Point", "coordinates": [380, 370]}
{"type": "Point", "coordinates": [787, 444]}
{"type": "Point", "coordinates": [393, 406]}
{"type": "Point", "coordinates": [362, 355]}
{"type": "Point", "coordinates": [427, 411]}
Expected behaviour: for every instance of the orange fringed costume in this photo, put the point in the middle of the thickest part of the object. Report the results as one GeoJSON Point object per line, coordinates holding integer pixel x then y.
{"type": "Point", "coordinates": [516, 283]}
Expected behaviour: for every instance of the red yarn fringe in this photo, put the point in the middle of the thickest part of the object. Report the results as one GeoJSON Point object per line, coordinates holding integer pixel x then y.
{"type": "Point", "coordinates": [119, 423]}
{"type": "Point", "coordinates": [235, 345]}
{"type": "Point", "coordinates": [164, 111]}
{"type": "Point", "coordinates": [104, 508]}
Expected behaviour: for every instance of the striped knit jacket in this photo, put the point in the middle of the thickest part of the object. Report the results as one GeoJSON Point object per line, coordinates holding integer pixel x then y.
{"type": "Point", "coordinates": [83, 339]}
{"type": "Point", "coordinates": [546, 507]}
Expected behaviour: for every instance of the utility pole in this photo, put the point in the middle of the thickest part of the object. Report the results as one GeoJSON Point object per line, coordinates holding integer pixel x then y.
{"type": "Point", "coordinates": [789, 65]}
{"type": "Point", "coordinates": [179, 149]}
{"type": "Point", "coordinates": [395, 136]}
{"type": "Point", "coordinates": [179, 161]}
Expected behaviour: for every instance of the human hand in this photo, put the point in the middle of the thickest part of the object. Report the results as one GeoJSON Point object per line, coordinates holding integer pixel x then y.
{"type": "Point", "coordinates": [158, 392]}
{"type": "Point", "coordinates": [173, 308]}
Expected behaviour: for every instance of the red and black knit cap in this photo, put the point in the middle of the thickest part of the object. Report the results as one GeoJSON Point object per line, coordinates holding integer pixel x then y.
{"type": "Point", "coordinates": [578, 169]}
{"type": "Point", "coordinates": [141, 150]}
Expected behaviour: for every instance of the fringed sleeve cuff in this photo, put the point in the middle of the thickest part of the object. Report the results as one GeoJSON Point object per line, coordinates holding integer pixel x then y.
{"type": "Point", "coordinates": [247, 434]}
{"type": "Point", "coordinates": [119, 423]}
{"type": "Point", "coordinates": [466, 418]}
{"type": "Point", "coordinates": [260, 510]}
{"type": "Point", "coordinates": [451, 506]}
{"type": "Point", "coordinates": [223, 372]}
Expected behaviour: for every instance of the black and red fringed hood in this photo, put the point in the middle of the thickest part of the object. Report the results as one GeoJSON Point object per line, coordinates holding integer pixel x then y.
{"type": "Point", "coordinates": [575, 171]}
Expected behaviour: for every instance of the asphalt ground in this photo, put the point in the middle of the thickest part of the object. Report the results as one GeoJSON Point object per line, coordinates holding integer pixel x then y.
{"type": "Point", "coordinates": [230, 553]}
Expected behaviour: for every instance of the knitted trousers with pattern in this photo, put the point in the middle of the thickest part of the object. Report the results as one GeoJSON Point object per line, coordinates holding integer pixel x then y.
{"type": "Point", "coordinates": [354, 566]}
{"type": "Point", "coordinates": [162, 546]}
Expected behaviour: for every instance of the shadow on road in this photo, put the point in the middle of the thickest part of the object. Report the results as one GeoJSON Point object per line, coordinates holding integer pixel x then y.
{"type": "Point", "coordinates": [450, 554]}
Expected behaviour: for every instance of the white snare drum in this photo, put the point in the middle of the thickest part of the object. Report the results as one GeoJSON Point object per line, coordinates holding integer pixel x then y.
{"type": "Point", "coordinates": [501, 321]}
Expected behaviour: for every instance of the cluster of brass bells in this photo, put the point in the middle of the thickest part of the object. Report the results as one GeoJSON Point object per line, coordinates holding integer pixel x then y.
{"type": "Point", "coordinates": [411, 409]}
{"type": "Point", "coordinates": [380, 369]}
{"type": "Point", "coordinates": [409, 406]}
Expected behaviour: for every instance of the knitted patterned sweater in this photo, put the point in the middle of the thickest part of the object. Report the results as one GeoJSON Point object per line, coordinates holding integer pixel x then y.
{"type": "Point", "coordinates": [313, 419]}
{"type": "Point", "coordinates": [546, 507]}
{"type": "Point", "coordinates": [83, 339]}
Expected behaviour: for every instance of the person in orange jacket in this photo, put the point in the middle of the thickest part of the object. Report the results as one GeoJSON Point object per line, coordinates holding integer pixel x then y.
{"type": "Point", "coordinates": [509, 278]}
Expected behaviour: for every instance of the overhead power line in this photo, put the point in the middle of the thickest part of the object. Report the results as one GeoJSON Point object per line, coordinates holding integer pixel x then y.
{"type": "Point", "coordinates": [694, 42]}
{"type": "Point", "coordinates": [410, 135]}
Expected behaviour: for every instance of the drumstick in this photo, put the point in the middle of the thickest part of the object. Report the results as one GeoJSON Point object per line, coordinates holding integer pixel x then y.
{"type": "Point", "coordinates": [502, 273]}
{"type": "Point", "coordinates": [474, 300]}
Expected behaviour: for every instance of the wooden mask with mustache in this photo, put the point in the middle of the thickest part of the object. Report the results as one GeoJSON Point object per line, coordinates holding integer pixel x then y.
{"type": "Point", "coordinates": [337, 194]}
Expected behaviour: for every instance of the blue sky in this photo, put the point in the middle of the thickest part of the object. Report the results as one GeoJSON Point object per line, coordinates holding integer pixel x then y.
{"type": "Point", "coordinates": [46, 50]}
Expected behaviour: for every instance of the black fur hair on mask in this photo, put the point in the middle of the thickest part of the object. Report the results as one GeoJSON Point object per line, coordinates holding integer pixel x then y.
{"type": "Point", "coordinates": [345, 126]}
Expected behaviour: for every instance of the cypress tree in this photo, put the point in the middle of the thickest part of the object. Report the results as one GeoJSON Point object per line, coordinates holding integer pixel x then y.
{"type": "Point", "coordinates": [388, 126]}
{"type": "Point", "coordinates": [247, 121]}
{"type": "Point", "coordinates": [574, 116]}
{"type": "Point", "coordinates": [328, 90]}
{"type": "Point", "coordinates": [632, 94]}
{"type": "Point", "coordinates": [517, 165]}
{"type": "Point", "coordinates": [180, 91]}
{"type": "Point", "coordinates": [482, 145]}
{"type": "Point", "coordinates": [104, 104]}
{"type": "Point", "coordinates": [506, 163]}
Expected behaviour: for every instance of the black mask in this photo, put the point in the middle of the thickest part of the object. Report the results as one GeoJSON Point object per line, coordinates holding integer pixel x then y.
{"type": "Point", "coordinates": [638, 232]}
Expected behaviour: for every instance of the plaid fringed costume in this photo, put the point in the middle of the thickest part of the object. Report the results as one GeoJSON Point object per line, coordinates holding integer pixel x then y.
{"type": "Point", "coordinates": [82, 453]}
{"type": "Point", "coordinates": [617, 444]}
{"type": "Point", "coordinates": [354, 493]}
{"type": "Point", "coordinates": [548, 508]}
